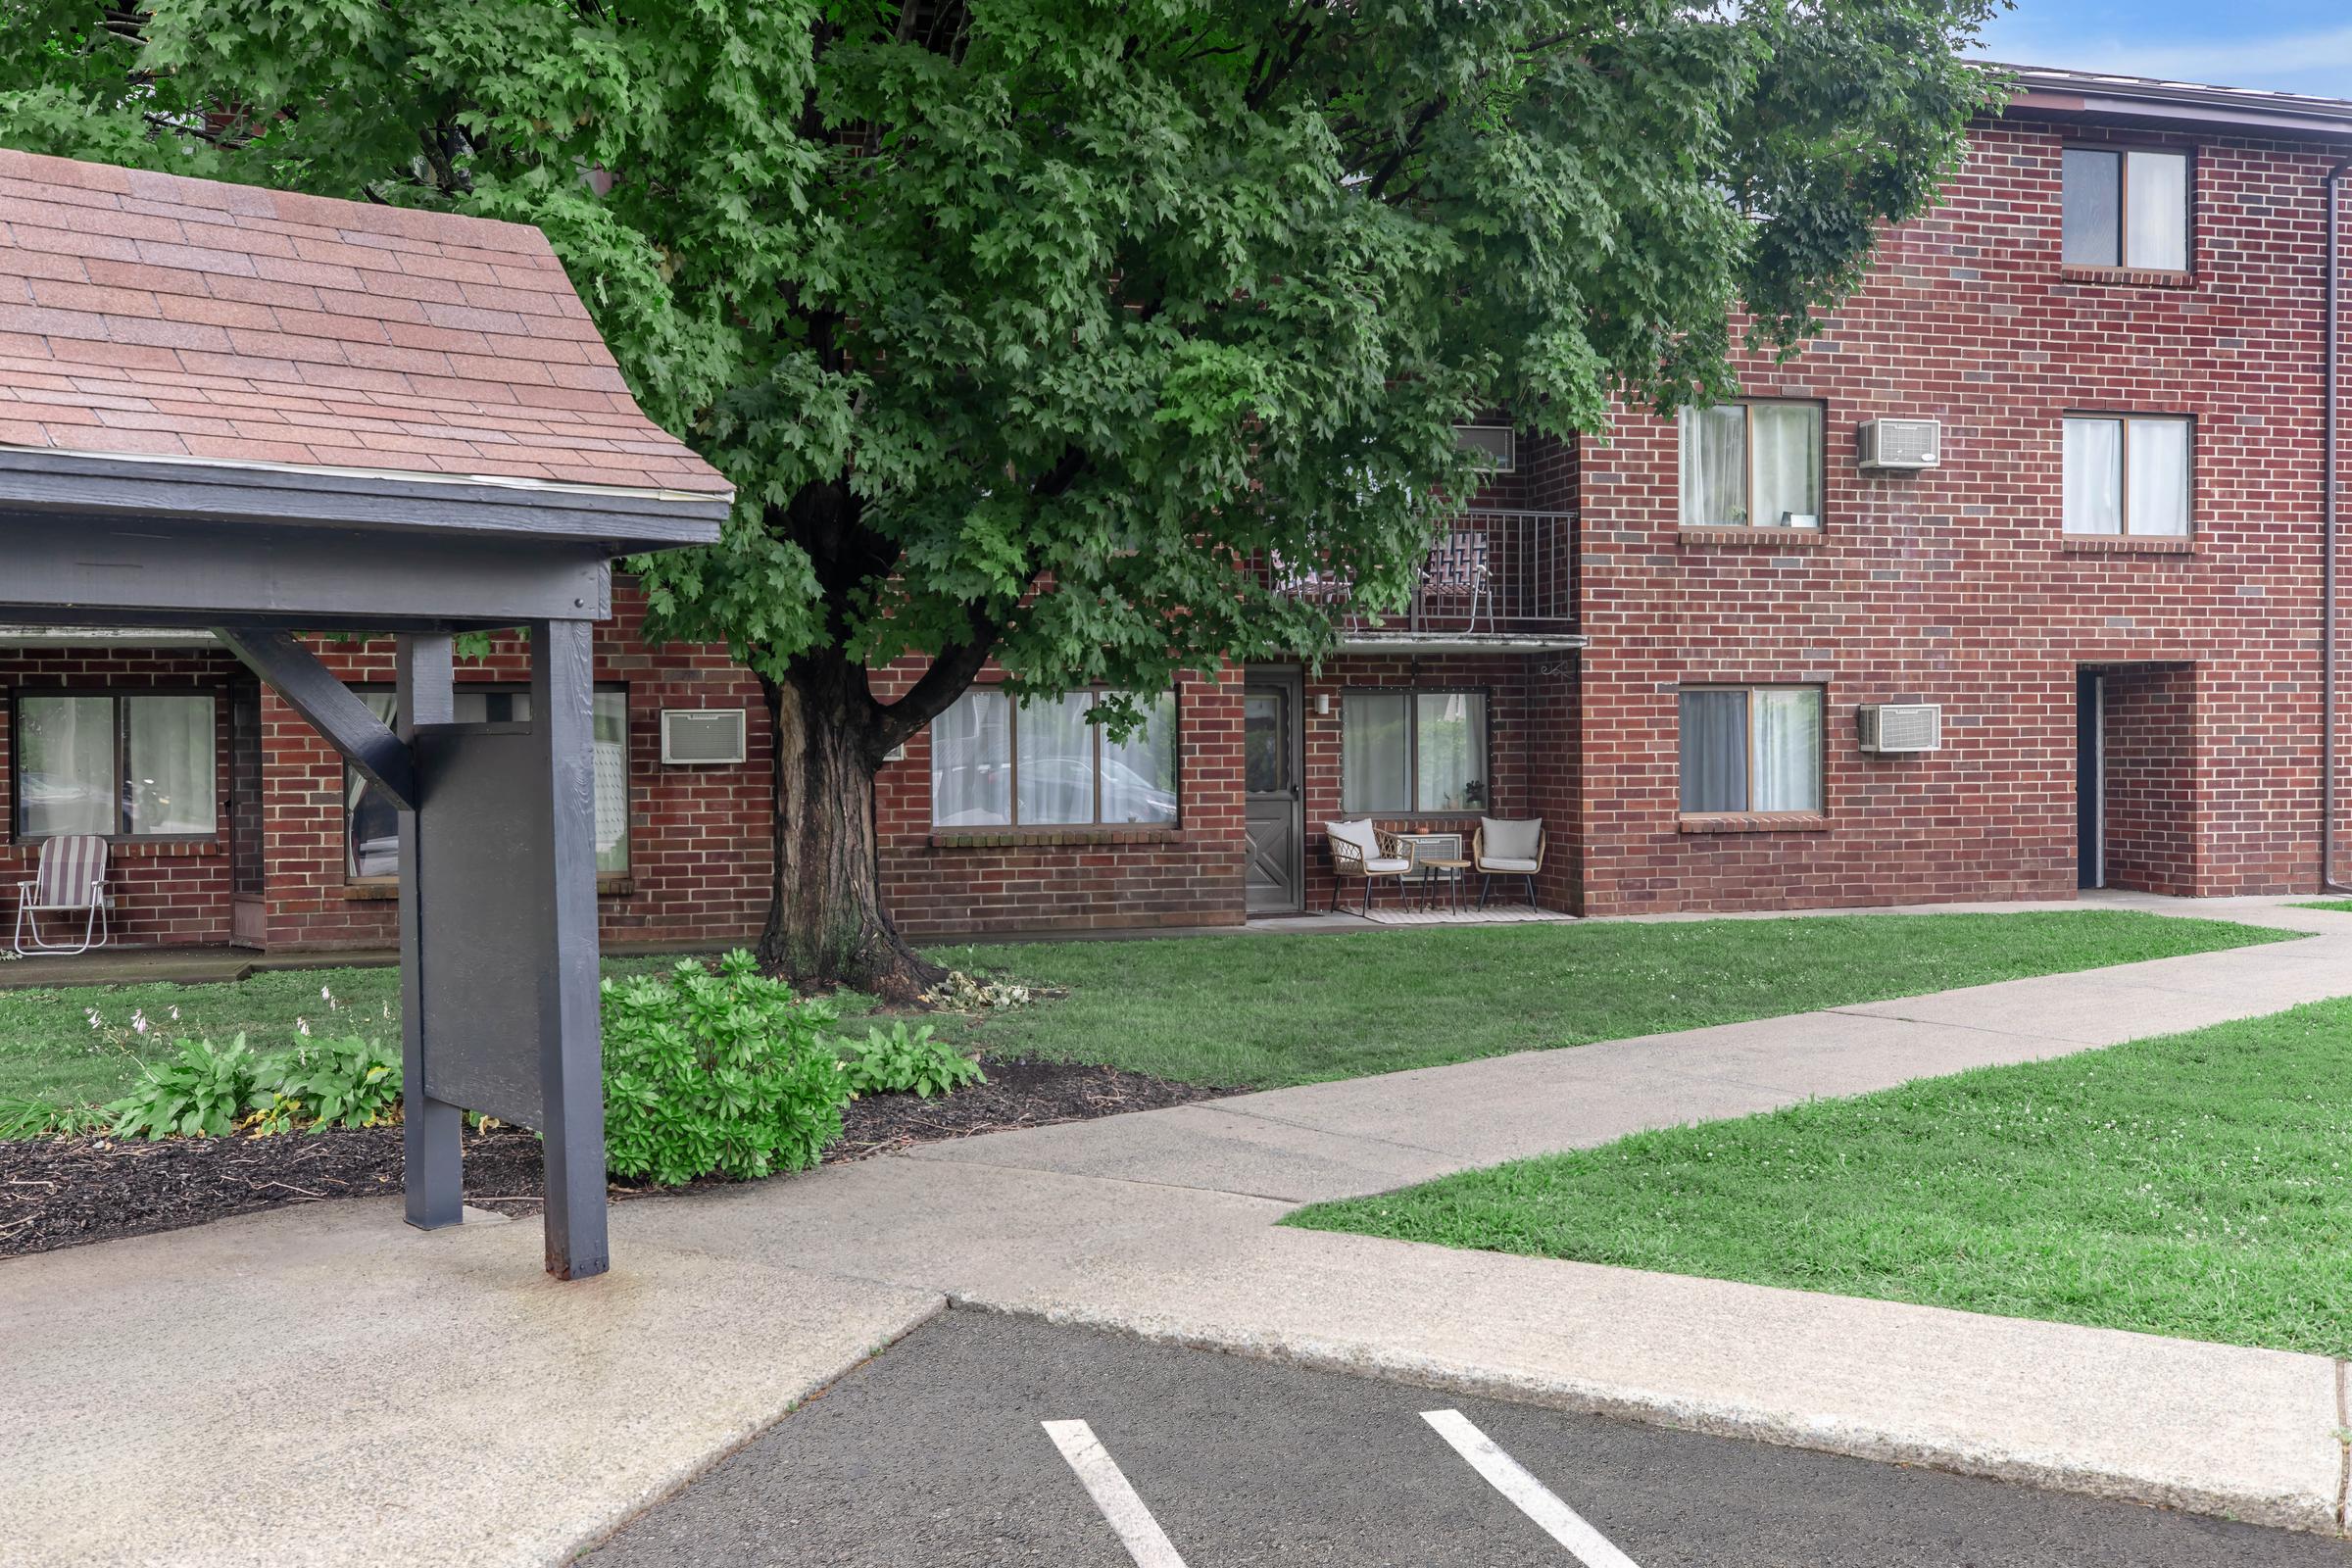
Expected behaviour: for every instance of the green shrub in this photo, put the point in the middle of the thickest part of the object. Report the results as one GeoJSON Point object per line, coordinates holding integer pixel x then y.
{"type": "Point", "coordinates": [327, 1083]}
{"type": "Point", "coordinates": [723, 1073]}
{"type": "Point", "coordinates": [902, 1064]}
{"type": "Point", "coordinates": [199, 1091]}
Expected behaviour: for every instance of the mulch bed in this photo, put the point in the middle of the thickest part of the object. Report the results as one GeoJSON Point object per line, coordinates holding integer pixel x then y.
{"type": "Point", "coordinates": [65, 1191]}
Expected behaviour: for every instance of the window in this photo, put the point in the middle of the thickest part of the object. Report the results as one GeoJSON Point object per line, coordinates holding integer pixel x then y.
{"type": "Point", "coordinates": [1751, 465]}
{"type": "Point", "coordinates": [1750, 749]}
{"type": "Point", "coordinates": [2126, 207]}
{"type": "Point", "coordinates": [2127, 474]}
{"type": "Point", "coordinates": [1044, 763]}
{"type": "Point", "coordinates": [1407, 752]}
{"type": "Point", "coordinates": [129, 766]}
{"type": "Point", "coordinates": [371, 822]}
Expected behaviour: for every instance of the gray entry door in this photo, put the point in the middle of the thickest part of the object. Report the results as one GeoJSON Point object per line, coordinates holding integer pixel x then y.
{"type": "Point", "coordinates": [1270, 752]}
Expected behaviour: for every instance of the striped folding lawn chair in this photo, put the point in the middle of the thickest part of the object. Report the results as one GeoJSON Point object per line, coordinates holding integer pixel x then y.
{"type": "Point", "coordinates": [71, 880]}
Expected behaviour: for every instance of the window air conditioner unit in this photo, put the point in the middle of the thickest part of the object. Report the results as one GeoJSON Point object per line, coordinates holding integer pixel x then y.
{"type": "Point", "coordinates": [1900, 443]}
{"type": "Point", "coordinates": [697, 736]}
{"type": "Point", "coordinates": [1894, 727]}
{"type": "Point", "coordinates": [1498, 444]}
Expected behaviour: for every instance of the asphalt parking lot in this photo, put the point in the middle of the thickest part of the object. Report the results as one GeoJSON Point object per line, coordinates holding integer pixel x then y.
{"type": "Point", "coordinates": [984, 1439]}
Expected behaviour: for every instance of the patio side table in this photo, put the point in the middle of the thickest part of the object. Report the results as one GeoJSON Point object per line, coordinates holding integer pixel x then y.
{"type": "Point", "coordinates": [1456, 873]}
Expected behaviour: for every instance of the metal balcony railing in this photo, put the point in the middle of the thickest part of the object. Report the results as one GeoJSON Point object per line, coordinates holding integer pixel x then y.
{"type": "Point", "coordinates": [1490, 573]}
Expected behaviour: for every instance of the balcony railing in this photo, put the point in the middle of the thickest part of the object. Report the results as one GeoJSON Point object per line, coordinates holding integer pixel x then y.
{"type": "Point", "coordinates": [1503, 574]}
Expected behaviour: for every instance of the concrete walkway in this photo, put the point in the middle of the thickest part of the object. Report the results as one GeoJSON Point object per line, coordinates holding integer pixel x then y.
{"type": "Point", "coordinates": [291, 1389]}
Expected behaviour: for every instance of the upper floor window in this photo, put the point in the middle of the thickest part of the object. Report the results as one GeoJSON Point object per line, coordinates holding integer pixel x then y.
{"type": "Point", "coordinates": [127, 767]}
{"type": "Point", "coordinates": [1750, 749]}
{"type": "Point", "coordinates": [2126, 207]}
{"type": "Point", "coordinates": [1041, 763]}
{"type": "Point", "coordinates": [1751, 465]}
{"type": "Point", "coordinates": [2127, 474]}
{"type": "Point", "coordinates": [1406, 752]}
{"type": "Point", "coordinates": [371, 822]}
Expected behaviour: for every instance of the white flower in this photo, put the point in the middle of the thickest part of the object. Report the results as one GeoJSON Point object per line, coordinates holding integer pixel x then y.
{"type": "Point", "coordinates": [92, 1015]}
{"type": "Point", "coordinates": [176, 1016]}
{"type": "Point", "coordinates": [302, 1027]}
{"type": "Point", "coordinates": [138, 1021]}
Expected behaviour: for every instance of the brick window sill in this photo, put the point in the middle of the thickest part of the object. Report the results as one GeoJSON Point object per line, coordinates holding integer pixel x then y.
{"type": "Point", "coordinates": [1752, 538]}
{"type": "Point", "coordinates": [387, 891]}
{"type": "Point", "coordinates": [1030, 838]}
{"type": "Point", "coordinates": [2100, 544]}
{"type": "Point", "coordinates": [2125, 277]}
{"type": "Point", "coordinates": [1753, 822]}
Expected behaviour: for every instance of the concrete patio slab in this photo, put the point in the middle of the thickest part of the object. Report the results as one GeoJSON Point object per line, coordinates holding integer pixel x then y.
{"type": "Point", "coordinates": [323, 1385]}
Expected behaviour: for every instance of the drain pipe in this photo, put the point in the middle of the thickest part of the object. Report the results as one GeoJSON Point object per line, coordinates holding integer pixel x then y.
{"type": "Point", "coordinates": [2329, 400]}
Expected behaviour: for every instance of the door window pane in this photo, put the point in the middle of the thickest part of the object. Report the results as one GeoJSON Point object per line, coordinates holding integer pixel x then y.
{"type": "Point", "coordinates": [609, 738]}
{"type": "Point", "coordinates": [2093, 197]}
{"type": "Point", "coordinates": [1139, 773]}
{"type": "Point", "coordinates": [1714, 466]}
{"type": "Point", "coordinates": [971, 762]}
{"type": "Point", "coordinates": [65, 778]}
{"type": "Point", "coordinates": [1714, 751]}
{"type": "Point", "coordinates": [2158, 483]}
{"type": "Point", "coordinates": [2156, 190]}
{"type": "Point", "coordinates": [1788, 463]}
{"type": "Point", "coordinates": [1787, 749]}
{"type": "Point", "coordinates": [1375, 764]}
{"type": "Point", "coordinates": [1449, 751]}
{"type": "Point", "coordinates": [1265, 760]}
{"type": "Point", "coordinates": [2094, 477]}
{"type": "Point", "coordinates": [170, 786]}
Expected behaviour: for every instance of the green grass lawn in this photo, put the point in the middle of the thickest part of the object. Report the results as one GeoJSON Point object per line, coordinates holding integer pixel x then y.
{"type": "Point", "coordinates": [1261, 1011]}
{"type": "Point", "coordinates": [2193, 1184]}
{"type": "Point", "coordinates": [2338, 905]}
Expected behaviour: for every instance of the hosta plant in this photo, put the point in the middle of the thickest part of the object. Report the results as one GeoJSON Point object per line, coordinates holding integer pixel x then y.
{"type": "Point", "coordinates": [724, 1073]}
{"type": "Point", "coordinates": [200, 1090]}
{"type": "Point", "coordinates": [328, 1083]}
{"type": "Point", "coordinates": [897, 1061]}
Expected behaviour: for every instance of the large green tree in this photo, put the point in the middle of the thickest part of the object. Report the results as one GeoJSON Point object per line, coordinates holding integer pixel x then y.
{"type": "Point", "coordinates": [1027, 328]}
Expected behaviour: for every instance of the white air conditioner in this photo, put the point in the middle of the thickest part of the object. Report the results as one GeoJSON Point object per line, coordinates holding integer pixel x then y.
{"type": "Point", "coordinates": [1498, 444]}
{"type": "Point", "coordinates": [1900, 443]}
{"type": "Point", "coordinates": [1893, 727]}
{"type": "Point", "coordinates": [697, 736]}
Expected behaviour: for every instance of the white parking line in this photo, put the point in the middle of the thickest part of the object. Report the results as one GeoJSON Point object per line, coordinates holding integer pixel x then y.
{"type": "Point", "coordinates": [1125, 1512]}
{"type": "Point", "coordinates": [1530, 1496]}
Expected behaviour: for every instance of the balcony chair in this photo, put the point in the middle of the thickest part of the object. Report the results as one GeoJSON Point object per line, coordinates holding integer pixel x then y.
{"type": "Point", "coordinates": [1457, 569]}
{"type": "Point", "coordinates": [1360, 850]}
{"type": "Point", "coordinates": [1507, 848]}
{"type": "Point", "coordinates": [71, 880]}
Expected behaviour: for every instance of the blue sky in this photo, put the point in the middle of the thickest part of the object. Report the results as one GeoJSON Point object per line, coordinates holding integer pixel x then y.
{"type": "Point", "coordinates": [2291, 45]}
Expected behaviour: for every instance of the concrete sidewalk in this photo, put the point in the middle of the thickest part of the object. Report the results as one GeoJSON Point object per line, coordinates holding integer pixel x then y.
{"type": "Point", "coordinates": [318, 1384]}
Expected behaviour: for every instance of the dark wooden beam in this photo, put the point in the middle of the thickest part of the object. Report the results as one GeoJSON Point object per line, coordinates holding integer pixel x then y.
{"type": "Point", "coordinates": [312, 690]}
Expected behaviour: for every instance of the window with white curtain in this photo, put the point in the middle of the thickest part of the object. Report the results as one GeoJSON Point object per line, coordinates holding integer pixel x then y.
{"type": "Point", "coordinates": [1750, 749]}
{"type": "Point", "coordinates": [1751, 465]}
{"type": "Point", "coordinates": [128, 766]}
{"type": "Point", "coordinates": [2126, 207]}
{"type": "Point", "coordinates": [371, 822]}
{"type": "Point", "coordinates": [1410, 752]}
{"type": "Point", "coordinates": [2127, 474]}
{"type": "Point", "coordinates": [1047, 762]}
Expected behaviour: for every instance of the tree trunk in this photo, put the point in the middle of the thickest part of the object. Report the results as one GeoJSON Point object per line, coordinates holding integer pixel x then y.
{"type": "Point", "coordinates": [825, 920]}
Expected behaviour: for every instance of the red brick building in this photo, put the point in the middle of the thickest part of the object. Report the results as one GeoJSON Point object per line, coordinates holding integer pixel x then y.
{"type": "Point", "coordinates": [1663, 641]}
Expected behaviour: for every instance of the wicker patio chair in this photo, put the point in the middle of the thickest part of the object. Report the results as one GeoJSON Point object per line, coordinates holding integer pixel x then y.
{"type": "Point", "coordinates": [1363, 853]}
{"type": "Point", "coordinates": [71, 880]}
{"type": "Point", "coordinates": [1506, 848]}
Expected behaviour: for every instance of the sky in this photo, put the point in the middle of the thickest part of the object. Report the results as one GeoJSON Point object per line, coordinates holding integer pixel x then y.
{"type": "Point", "coordinates": [2288, 45]}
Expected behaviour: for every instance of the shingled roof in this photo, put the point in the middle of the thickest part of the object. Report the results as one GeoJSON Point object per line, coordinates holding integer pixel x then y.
{"type": "Point", "coordinates": [151, 314]}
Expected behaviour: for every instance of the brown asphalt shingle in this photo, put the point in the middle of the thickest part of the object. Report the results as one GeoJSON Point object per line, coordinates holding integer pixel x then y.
{"type": "Point", "coordinates": [144, 313]}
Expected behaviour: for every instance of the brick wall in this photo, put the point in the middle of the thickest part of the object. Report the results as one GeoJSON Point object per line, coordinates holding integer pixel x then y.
{"type": "Point", "coordinates": [2148, 751]}
{"type": "Point", "coordinates": [957, 881]}
{"type": "Point", "coordinates": [698, 841]}
{"type": "Point", "coordinates": [1955, 586]}
{"type": "Point", "coordinates": [166, 891]}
